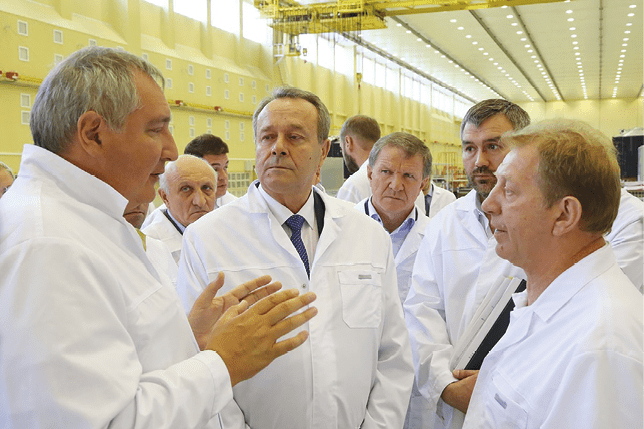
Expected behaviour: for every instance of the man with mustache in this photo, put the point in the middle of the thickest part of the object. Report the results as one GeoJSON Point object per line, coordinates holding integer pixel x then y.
{"type": "Point", "coordinates": [357, 370]}
{"type": "Point", "coordinates": [456, 265]}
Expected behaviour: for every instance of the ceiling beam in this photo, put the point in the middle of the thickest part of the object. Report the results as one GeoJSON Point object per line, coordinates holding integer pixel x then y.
{"type": "Point", "coordinates": [411, 7]}
{"type": "Point", "coordinates": [506, 52]}
{"type": "Point", "coordinates": [538, 52]}
{"type": "Point", "coordinates": [376, 50]}
{"type": "Point", "coordinates": [448, 56]}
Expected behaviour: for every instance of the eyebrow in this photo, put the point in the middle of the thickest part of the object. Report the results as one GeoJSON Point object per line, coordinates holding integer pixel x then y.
{"type": "Point", "coordinates": [159, 120]}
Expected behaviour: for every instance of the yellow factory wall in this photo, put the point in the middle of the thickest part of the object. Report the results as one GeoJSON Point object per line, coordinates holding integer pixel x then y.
{"type": "Point", "coordinates": [609, 116]}
{"type": "Point", "coordinates": [208, 67]}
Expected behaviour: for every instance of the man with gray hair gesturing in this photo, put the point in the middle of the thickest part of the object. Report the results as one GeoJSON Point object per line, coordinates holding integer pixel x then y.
{"type": "Point", "coordinates": [572, 354]}
{"type": "Point", "coordinates": [91, 336]}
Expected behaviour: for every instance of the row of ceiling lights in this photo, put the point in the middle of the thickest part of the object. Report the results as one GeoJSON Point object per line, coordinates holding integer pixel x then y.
{"type": "Point", "coordinates": [529, 50]}
{"type": "Point", "coordinates": [452, 62]}
{"type": "Point", "coordinates": [622, 55]}
{"type": "Point", "coordinates": [577, 54]}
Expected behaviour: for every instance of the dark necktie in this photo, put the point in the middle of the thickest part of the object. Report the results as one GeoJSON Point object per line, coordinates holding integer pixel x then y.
{"type": "Point", "coordinates": [496, 332]}
{"type": "Point", "coordinates": [295, 222]}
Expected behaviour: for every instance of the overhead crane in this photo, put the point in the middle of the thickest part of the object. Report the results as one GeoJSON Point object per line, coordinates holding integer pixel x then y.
{"type": "Point", "coordinates": [357, 15]}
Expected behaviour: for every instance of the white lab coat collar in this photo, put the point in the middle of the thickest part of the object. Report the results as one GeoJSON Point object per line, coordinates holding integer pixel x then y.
{"type": "Point", "coordinates": [282, 213]}
{"type": "Point", "coordinates": [556, 295]}
{"type": "Point", "coordinates": [79, 184]}
{"type": "Point", "coordinates": [471, 224]}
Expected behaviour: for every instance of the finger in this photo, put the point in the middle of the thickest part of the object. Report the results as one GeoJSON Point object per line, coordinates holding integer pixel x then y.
{"type": "Point", "coordinates": [241, 291]}
{"type": "Point", "coordinates": [464, 373]}
{"type": "Point", "coordinates": [271, 301]}
{"type": "Point", "coordinates": [232, 312]}
{"type": "Point", "coordinates": [289, 307]}
{"type": "Point", "coordinates": [285, 346]}
{"type": "Point", "coordinates": [262, 293]}
{"type": "Point", "coordinates": [289, 324]}
{"type": "Point", "coordinates": [208, 294]}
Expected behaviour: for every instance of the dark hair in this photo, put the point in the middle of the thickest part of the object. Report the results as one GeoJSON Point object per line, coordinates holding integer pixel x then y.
{"type": "Point", "coordinates": [362, 126]}
{"type": "Point", "coordinates": [484, 110]}
{"type": "Point", "coordinates": [206, 144]}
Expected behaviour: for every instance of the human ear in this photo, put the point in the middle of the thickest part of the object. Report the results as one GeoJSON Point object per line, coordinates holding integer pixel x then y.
{"type": "Point", "coordinates": [369, 172]}
{"type": "Point", "coordinates": [568, 211]}
{"type": "Point", "coordinates": [89, 127]}
{"type": "Point", "coordinates": [164, 197]}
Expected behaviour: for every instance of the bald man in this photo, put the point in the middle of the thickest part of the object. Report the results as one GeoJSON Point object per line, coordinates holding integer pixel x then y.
{"type": "Point", "coordinates": [188, 189]}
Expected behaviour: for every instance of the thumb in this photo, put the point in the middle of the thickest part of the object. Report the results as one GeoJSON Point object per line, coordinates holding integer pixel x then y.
{"type": "Point", "coordinates": [209, 293]}
{"type": "Point", "coordinates": [464, 373]}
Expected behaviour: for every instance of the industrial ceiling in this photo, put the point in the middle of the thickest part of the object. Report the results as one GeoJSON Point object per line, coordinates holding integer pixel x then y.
{"type": "Point", "coordinates": [546, 51]}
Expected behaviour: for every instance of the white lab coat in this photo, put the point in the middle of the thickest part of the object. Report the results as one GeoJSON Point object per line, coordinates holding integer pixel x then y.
{"type": "Point", "coordinates": [158, 226]}
{"type": "Point", "coordinates": [161, 258]}
{"type": "Point", "coordinates": [572, 359]}
{"type": "Point", "coordinates": [627, 238]}
{"type": "Point", "coordinates": [419, 410]}
{"type": "Point", "coordinates": [456, 267]}
{"type": "Point", "coordinates": [91, 334]}
{"type": "Point", "coordinates": [440, 198]}
{"type": "Point", "coordinates": [448, 285]}
{"type": "Point", "coordinates": [222, 201]}
{"type": "Point", "coordinates": [355, 369]}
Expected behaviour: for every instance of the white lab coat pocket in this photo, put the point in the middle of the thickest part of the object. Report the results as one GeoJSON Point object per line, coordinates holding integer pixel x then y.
{"type": "Point", "coordinates": [361, 298]}
{"type": "Point", "coordinates": [504, 409]}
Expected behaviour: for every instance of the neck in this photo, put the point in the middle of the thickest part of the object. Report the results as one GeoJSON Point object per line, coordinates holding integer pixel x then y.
{"type": "Point", "coordinates": [292, 202]}
{"type": "Point", "coordinates": [391, 223]}
{"type": "Point", "coordinates": [540, 279]}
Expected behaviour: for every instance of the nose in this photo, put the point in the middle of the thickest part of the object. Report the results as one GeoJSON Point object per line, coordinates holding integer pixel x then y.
{"type": "Point", "coordinates": [396, 183]}
{"type": "Point", "coordinates": [279, 147]}
{"type": "Point", "coordinates": [198, 198]}
{"type": "Point", "coordinates": [169, 150]}
{"type": "Point", "coordinates": [491, 204]}
{"type": "Point", "coordinates": [482, 159]}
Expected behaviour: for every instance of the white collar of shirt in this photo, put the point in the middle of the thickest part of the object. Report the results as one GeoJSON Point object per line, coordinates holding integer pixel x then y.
{"type": "Point", "coordinates": [406, 225]}
{"type": "Point", "coordinates": [566, 285]}
{"type": "Point", "coordinates": [282, 213]}
{"type": "Point", "coordinates": [485, 223]}
{"type": "Point", "coordinates": [399, 235]}
{"type": "Point", "coordinates": [176, 222]}
{"type": "Point", "coordinates": [431, 190]}
{"type": "Point", "coordinates": [309, 231]}
{"type": "Point", "coordinates": [76, 182]}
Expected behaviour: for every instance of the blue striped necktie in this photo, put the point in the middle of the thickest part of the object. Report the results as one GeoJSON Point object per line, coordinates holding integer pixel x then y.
{"type": "Point", "coordinates": [295, 222]}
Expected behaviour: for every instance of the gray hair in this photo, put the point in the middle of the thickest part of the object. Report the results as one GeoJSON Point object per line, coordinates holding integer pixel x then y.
{"type": "Point", "coordinates": [171, 168]}
{"type": "Point", "coordinates": [94, 78]}
{"type": "Point", "coordinates": [4, 166]}
{"type": "Point", "coordinates": [409, 143]}
{"type": "Point", "coordinates": [324, 119]}
{"type": "Point", "coordinates": [484, 110]}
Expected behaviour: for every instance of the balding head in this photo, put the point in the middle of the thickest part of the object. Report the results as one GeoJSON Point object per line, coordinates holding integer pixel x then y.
{"type": "Point", "coordinates": [188, 187]}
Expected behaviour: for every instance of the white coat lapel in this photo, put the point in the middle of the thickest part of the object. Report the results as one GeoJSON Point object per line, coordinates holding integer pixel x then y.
{"type": "Point", "coordinates": [264, 220]}
{"type": "Point", "coordinates": [469, 220]}
{"type": "Point", "coordinates": [412, 242]}
{"type": "Point", "coordinates": [332, 217]}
